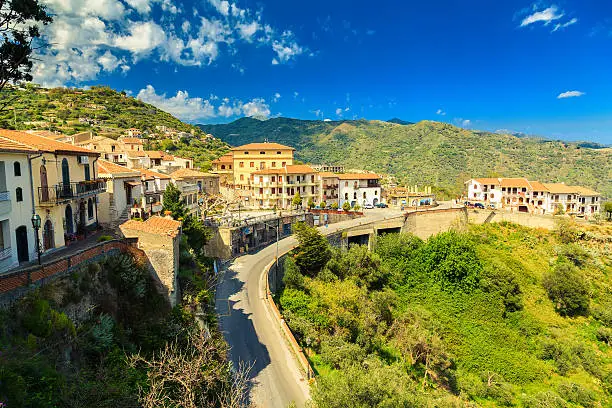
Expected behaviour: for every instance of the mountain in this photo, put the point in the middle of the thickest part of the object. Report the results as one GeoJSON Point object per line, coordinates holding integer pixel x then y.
{"type": "Point", "coordinates": [428, 153]}
{"type": "Point", "coordinates": [400, 121]}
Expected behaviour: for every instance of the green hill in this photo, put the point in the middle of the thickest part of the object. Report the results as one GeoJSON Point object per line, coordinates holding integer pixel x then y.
{"type": "Point", "coordinates": [104, 112]}
{"type": "Point", "coordinates": [428, 152]}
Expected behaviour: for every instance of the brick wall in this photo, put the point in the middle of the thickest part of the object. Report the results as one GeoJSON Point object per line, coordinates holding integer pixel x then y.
{"type": "Point", "coordinates": [14, 285]}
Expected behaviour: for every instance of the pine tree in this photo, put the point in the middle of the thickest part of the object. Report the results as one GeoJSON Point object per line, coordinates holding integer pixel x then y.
{"type": "Point", "coordinates": [313, 251]}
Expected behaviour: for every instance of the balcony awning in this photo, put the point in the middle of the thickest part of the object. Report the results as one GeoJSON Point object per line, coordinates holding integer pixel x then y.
{"type": "Point", "coordinates": [132, 183]}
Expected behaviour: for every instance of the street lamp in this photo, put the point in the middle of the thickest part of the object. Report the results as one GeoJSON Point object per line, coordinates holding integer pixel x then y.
{"type": "Point", "coordinates": [36, 226]}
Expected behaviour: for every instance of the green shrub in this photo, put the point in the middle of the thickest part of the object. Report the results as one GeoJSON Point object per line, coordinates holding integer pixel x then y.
{"type": "Point", "coordinates": [577, 394]}
{"type": "Point", "coordinates": [104, 238]}
{"type": "Point", "coordinates": [568, 290]}
{"type": "Point", "coordinates": [292, 278]}
{"type": "Point", "coordinates": [313, 251]}
{"type": "Point", "coordinates": [547, 399]}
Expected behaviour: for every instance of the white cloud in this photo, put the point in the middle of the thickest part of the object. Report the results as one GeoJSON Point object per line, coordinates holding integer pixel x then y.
{"type": "Point", "coordinates": [181, 105]}
{"type": "Point", "coordinates": [440, 112]}
{"type": "Point", "coordinates": [327, 120]}
{"type": "Point", "coordinates": [560, 26]}
{"type": "Point", "coordinates": [142, 6]}
{"type": "Point", "coordinates": [546, 16]}
{"type": "Point", "coordinates": [256, 107]}
{"type": "Point", "coordinates": [276, 97]}
{"type": "Point", "coordinates": [461, 122]}
{"type": "Point", "coordinates": [143, 38]}
{"type": "Point", "coordinates": [248, 30]}
{"type": "Point", "coordinates": [86, 33]}
{"type": "Point", "coordinates": [228, 109]}
{"type": "Point", "coordinates": [275, 61]}
{"type": "Point", "coordinates": [570, 94]}
{"type": "Point", "coordinates": [222, 6]}
{"type": "Point", "coordinates": [109, 62]}
{"type": "Point", "coordinates": [339, 112]}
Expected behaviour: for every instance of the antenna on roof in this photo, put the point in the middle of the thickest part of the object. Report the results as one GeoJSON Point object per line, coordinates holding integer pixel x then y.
{"type": "Point", "coordinates": [266, 140]}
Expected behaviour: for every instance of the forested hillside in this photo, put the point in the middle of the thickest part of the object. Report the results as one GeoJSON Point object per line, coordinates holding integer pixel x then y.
{"type": "Point", "coordinates": [498, 315]}
{"type": "Point", "coordinates": [429, 152]}
{"type": "Point", "coordinates": [99, 109]}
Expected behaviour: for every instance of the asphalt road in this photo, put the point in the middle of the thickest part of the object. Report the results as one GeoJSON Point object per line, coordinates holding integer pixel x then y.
{"type": "Point", "coordinates": [249, 328]}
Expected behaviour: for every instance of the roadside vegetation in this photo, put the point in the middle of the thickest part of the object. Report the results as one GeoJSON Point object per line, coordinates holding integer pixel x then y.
{"type": "Point", "coordinates": [498, 315]}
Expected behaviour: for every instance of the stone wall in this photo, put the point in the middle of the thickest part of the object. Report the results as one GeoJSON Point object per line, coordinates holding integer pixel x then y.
{"type": "Point", "coordinates": [424, 224]}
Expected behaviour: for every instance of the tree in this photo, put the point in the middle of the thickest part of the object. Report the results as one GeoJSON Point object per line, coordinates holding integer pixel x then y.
{"type": "Point", "coordinates": [18, 29]}
{"type": "Point", "coordinates": [311, 203]}
{"type": "Point", "coordinates": [568, 290]}
{"type": "Point", "coordinates": [197, 233]}
{"type": "Point", "coordinates": [292, 278]}
{"type": "Point", "coordinates": [334, 206]}
{"type": "Point", "coordinates": [608, 210]}
{"type": "Point", "coordinates": [346, 206]}
{"type": "Point", "coordinates": [173, 202]}
{"type": "Point", "coordinates": [313, 251]}
{"type": "Point", "coordinates": [297, 200]}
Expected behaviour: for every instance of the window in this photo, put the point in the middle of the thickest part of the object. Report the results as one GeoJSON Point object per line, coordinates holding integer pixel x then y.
{"type": "Point", "coordinates": [112, 148]}
{"type": "Point", "coordinates": [492, 195]}
{"type": "Point", "coordinates": [87, 174]}
{"type": "Point", "coordinates": [364, 194]}
{"type": "Point", "coordinates": [17, 168]}
{"type": "Point", "coordinates": [261, 179]}
{"type": "Point", "coordinates": [346, 196]}
{"type": "Point", "coordinates": [262, 152]}
{"type": "Point", "coordinates": [246, 152]}
{"type": "Point", "coordinates": [273, 190]}
{"type": "Point", "coordinates": [524, 189]}
{"type": "Point", "coordinates": [252, 164]}
{"type": "Point", "coordinates": [278, 152]}
{"type": "Point", "coordinates": [503, 189]}
{"type": "Point", "coordinates": [230, 167]}
{"type": "Point", "coordinates": [211, 183]}
{"type": "Point", "coordinates": [273, 164]}
{"type": "Point", "coordinates": [241, 164]}
{"type": "Point", "coordinates": [19, 194]}
{"type": "Point", "coordinates": [242, 177]}
{"type": "Point", "coordinates": [280, 179]}
{"type": "Point", "coordinates": [375, 192]}
{"type": "Point", "coordinates": [90, 209]}
{"type": "Point", "coordinates": [284, 164]}
{"type": "Point", "coordinates": [355, 195]}
{"type": "Point", "coordinates": [223, 167]}
{"type": "Point", "coordinates": [312, 178]}
{"type": "Point", "coordinates": [261, 191]}
{"type": "Point", "coordinates": [273, 179]}
{"type": "Point", "coordinates": [346, 184]}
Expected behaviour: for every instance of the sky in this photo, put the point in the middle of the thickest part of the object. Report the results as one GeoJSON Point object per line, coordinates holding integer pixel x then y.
{"type": "Point", "coordinates": [541, 68]}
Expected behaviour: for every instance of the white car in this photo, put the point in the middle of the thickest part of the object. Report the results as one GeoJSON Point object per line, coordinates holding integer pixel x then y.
{"type": "Point", "coordinates": [368, 206]}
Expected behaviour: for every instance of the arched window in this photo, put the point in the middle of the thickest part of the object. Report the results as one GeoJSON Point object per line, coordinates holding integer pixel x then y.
{"type": "Point", "coordinates": [346, 196]}
{"type": "Point", "coordinates": [364, 194]}
{"type": "Point", "coordinates": [354, 195]}
{"type": "Point", "coordinates": [17, 169]}
{"type": "Point", "coordinates": [19, 194]}
{"type": "Point", "coordinates": [90, 209]}
{"type": "Point", "coordinates": [223, 167]}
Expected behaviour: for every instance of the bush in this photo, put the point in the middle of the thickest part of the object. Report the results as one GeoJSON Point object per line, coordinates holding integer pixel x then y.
{"type": "Point", "coordinates": [313, 251]}
{"type": "Point", "coordinates": [568, 290]}
{"type": "Point", "coordinates": [567, 231]}
{"type": "Point", "coordinates": [577, 394]}
{"type": "Point", "coordinates": [104, 238]}
{"type": "Point", "coordinates": [292, 279]}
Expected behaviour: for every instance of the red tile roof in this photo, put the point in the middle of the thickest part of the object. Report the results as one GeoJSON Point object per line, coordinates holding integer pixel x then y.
{"type": "Point", "coordinates": [515, 182]}
{"type": "Point", "coordinates": [226, 158]}
{"type": "Point", "coordinates": [263, 146]}
{"type": "Point", "coordinates": [487, 180]}
{"type": "Point", "coordinates": [7, 145]}
{"type": "Point", "coordinates": [154, 225]}
{"type": "Point", "coordinates": [537, 186]}
{"type": "Point", "coordinates": [150, 174]}
{"type": "Point", "coordinates": [586, 191]}
{"type": "Point", "coordinates": [560, 188]}
{"type": "Point", "coordinates": [44, 144]}
{"type": "Point", "coordinates": [298, 169]}
{"type": "Point", "coordinates": [189, 173]}
{"type": "Point", "coordinates": [106, 167]}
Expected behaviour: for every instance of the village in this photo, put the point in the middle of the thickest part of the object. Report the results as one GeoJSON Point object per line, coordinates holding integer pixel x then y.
{"type": "Point", "coordinates": [55, 190]}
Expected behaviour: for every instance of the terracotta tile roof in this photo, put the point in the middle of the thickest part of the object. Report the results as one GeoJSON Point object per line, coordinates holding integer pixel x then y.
{"type": "Point", "coordinates": [487, 180]}
{"type": "Point", "coordinates": [263, 146]}
{"type": "Point", "coordinates": [585, 191]}
{"type": "Point", "coordinates": [44, 144]}
{"type": "Point", "coordinates": [158, 154]}
{"type": "Point", "coordinates": [130, 140]}
{"type": "Point", "coordinates": [189, 173]}
{"type": "Point", "coordinates": [7, 145]}
{"type": "Point", "coordinates": [537, 186]}
{"type": "Point", "coordinates": [327, 174]}
{"type": "Point", "coordinates": [226, 158]}
{"type": "Point", "coordinates": [358, 176]}
{"type": "Point", "coordinates": [106, 167]}
{"type": "Point", "coordinates": [150, 174]}
{"type": "Point", "coordinates": [515, 182]}
{"type": "Point", "coordinates": [154, 225]}
{"type": "Point", "coordinates": [136, 153]}
{"type": "Point", "coordinates": [298, 169]}
{"type": "Point", "coordinates": [46, 133]}
{"type": "Point", "coordinates": [560, 188]}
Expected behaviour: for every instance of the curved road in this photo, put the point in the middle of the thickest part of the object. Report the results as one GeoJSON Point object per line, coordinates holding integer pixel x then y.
{"type": "Point", "coordinates": [254, 337]}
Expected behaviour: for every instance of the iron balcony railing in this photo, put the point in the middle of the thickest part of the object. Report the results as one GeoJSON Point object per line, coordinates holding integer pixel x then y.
{"type": "Point", "coordinates": [67, 191]}
{"type": "Point", "coordinates": [5, 196]}
{"type": "Point", "coordinates": [5, 253]}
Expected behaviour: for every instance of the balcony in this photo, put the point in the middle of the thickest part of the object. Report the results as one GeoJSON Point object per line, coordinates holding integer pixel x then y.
{"type": "Point", "coordinates": [68, 191]}
{"type": "Point", "coordinates": [330, 187]}
{"type": "Point", "coordinates": [5, 253]}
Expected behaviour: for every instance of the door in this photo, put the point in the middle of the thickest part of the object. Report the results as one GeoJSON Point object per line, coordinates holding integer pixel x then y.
{"type": "Point", "coordinates": [66, 192]}
{"type": "Point", "coordinates": [44, 190]}
{"type": "Point", "coordinates": [21, 235]}
{"type": "Point", "coordinates": [48, 238]}
{"type": "Point", "coordinates": [82, 214]}
{"type": "Point", "coordinates": [69, 220]}
{"type": "Point", "coordinates": [128, 195]}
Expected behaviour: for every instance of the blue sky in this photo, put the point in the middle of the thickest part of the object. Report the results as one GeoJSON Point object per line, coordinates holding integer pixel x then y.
{"type": "Point", "coordinates": [542, 68]}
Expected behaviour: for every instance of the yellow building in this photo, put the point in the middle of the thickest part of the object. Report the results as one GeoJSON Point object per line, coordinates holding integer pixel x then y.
{"type": "Point", "coordinates": [254, 157]}
{"type": "Point", "coordinates": [224, 167]}
{"type": "Point", "coordinates": [65, 187]}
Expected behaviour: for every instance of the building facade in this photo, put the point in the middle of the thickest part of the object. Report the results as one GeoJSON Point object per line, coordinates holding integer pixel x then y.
{"type": "Point", "coordinates": [359, 189]}
{"type": "Point", "coordinates": [124, 191]}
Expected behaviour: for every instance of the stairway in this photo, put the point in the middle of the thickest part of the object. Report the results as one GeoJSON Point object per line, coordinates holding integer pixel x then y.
{"type": "Point", "coordinates": [490, 217]}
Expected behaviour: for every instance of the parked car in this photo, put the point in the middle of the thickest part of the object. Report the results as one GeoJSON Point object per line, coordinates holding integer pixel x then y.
{"type": "Point", "coordinates": [381, 205]}
{"type": "Point", "coordinates": [368, 206]}
{"type": "Point", "coordinates": [491, 206]}
{"type": "Point", "coordinates": [479, 205]}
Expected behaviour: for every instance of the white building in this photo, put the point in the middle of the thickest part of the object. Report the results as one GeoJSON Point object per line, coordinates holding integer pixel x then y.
{"type": "Point", "coordinates": [487, 190]}
{"type": "Point", "coordinates": [17, 239]}
{"type": "Point", "coordinates": [359, 189]}
{"type": "Point", "coordinates": [154, 184]}
{"type": "Point", "coordinates": [124, 191]}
